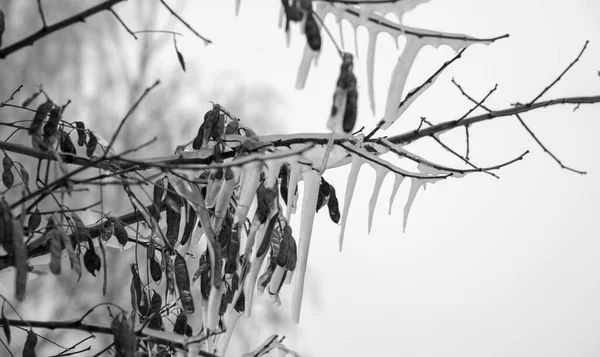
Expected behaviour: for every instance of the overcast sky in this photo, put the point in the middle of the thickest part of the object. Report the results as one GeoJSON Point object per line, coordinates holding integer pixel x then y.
{"type": "Point", "coordinates": [486, 267]}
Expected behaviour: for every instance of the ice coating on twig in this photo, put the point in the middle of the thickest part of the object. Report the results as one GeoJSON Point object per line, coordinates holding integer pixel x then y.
{"type": "Point", "coordinates": [357, 161]}
{"type": "Point", "coordinates": [397, 181]}
{"type": "Point", "coordinates": [380, 173]}
{"type": "Point", "coordinates": [312, 180]}
{"type": "Point", "coordinates": [250, 180]}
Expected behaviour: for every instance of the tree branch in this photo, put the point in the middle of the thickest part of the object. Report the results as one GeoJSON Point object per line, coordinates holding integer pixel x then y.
{"type": "Point", "coordinates": [80, 17]}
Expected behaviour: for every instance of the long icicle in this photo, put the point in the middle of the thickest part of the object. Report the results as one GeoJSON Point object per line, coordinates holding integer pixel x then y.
{"type": "Point", "coordinates": [380, 175]}
{"type": "Point", "coordinates": [312, 180]}
{"type": "Point", "coordinates": [352, 177]}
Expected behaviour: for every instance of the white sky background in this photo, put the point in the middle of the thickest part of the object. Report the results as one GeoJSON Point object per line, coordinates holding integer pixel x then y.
{"type": "Point", "coordinates": [487, 267]}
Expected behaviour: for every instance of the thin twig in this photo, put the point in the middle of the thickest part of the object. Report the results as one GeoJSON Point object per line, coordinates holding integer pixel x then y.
{"type": "Point", "coordinates": [337, 47]}
{"type": "Point", "coordinates": [480, 103]}
{"type": "Point", "coordinates": [546, 150]}
{"type": "Point", "coordinates": [159, 31]}
{"type": "Point", "coordinates": [466, 161]}
{"type": "Point", "coordinates": [12, 96]}
{"type": "Point", "coordinates": [42, 13]}
{"type": "Point", "coordinates": [206, 40]}
{"type": "Point", "coordinates": [131, 110]}
{"type": "Point", "coordinates": [123, 23]}
{"type": "Point", "coordinates": [561, 75]}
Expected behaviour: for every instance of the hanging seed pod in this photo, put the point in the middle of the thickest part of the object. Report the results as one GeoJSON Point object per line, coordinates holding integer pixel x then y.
{"type": "Point", "coordinates": [24, 177]}
{"type": "Point", "coordinates": [292, 255]}
{"type": "Point", "coordinates": [332, 206]}
{"type": "Point", "coordinates": [312, 32]}
{"type": "Point", "coordinates": [6, 227]}
{"type": "Point", "coordinates": [120, 232]}
{"type": "Point", "coordinates": [155, 270]}
{"type": "Point", "coordinates": [40, 114]}
{"type": "Point", "coordinates": [124, 336]}
{"type": "Point", "coordinates": [351, 109]}
{"type": "Point", "coordinates": [233, 249]}
{"type": "Point", "coordinates": [190, 223]}
{"type": "Point", "coordinates": [183, 283]}
{"type": "Point", "coordinates": [91, 260]}
{"type": "Point", "coordinates": [169, 274]}
{"type": "Point", "coordinates": [31, 98]}
{"type": "Point", "coordinates": [219, 128]}
{"type": "Point", "coordinates": [155, 302]}
{"type": "Point", "coordinates": [157, 196]}
{"type": "Point", "coordinates": [144, 307]}
{"type": "Point", "coordinates": [197, 143]}
{"type": "Point", "coordinates": [30, 343]}
{"type": "Point", "coordinates": [265, 243]}
{"type": "Point", "coordinates": [7, 176]}
{"type": "Point", "coordinates": [156, 322]}
{"type": "Point", "coordinates": [204, 273]}
{"type": "Point", "coordinates": [20, 260]}
{"type": "Point", "coordinates": [174, 203]}
{"type": "Point", "coordinates": [35, 219]}
{"type": "Point", "coordinates": [56, 247]}
{"type": "Point", "coordinates": [135, 287]}
{"type": "Point", "coordinates": [80, 133]}
{"type": "Point", "coordinates": [180, 323]}
{"type": "Point", "coordinates": [68, 246]}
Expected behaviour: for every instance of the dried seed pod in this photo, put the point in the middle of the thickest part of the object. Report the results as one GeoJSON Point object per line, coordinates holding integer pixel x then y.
{"type": "Point", "coordinates": [240, 304]}
{"type": "Point", "coordinates": [157, 195]}
{"type": "Point", "coordinates": [30, 343]}
{"type": "Point", "coordinates": [6, 227]}
{"type": "Point", "coordinates": [2, 26]}
{"type": "Point", "coordinates": [91, 145]}
{"type": "Point", "coordinates": [120, 232]}
{"type": "Point", "coordinates": [68, 245]}
{"type": "Point", "coordinates": [233, 249]}
{"type": "Point", "coordinates": [333, 206]}
{"type": "Point", "coordinates": [91, 260]}
{"type": "Point", "coordinates": [40, 114]}
{"type": "Point", "coordinates": [56, 247]}
{"type": "Point", "coordinates": [124, 336]}
{"type": "Point", "coordinates": [155, 270]}
{"type": "Point", "coordinates": [8, 178]}
{"type": "Point", "coordinates": [190, 223]}
{"type": "Point", "coordinates": [292, 255]}
{"type": "Point", "coordinates": [81, 231]}
{"type": "Point", "coordinates": [135, 287]}
{"type": "Point", "coordinates": [267, 238]}
{"type": "Point", "coordinates": [197, 144]}
{"type": "Point", "coordinates": [183, 283]}
{"type": "Point", "coordinates": [219, 127]}
{"type": "Point", "coordinates": [156, 322]}
{"type": "Point", "coordinates": [264, 280]}
{"type": "Point", "coordinates": [169, 274]}
{"type": "Point", "coordinates": [174, 202]}
{"type": "Point", "coordinates": [107, 230]}
{"type": "Point", "coordinates": [80, 133]}
{"type": "Point", "coordinates": [180, 326]}
{"type": "Point", "coordinates": [24, 176]}
{"type": "Point", "coordinates": [351, 109]}
{"type": "Point", "coordinates": [312, 32]}
{"type": "Point", "coordinates": [34, 220]}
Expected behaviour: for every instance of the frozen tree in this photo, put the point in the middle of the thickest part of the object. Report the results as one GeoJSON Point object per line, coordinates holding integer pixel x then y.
{"type": "Point", "coordinates": [209, 226]}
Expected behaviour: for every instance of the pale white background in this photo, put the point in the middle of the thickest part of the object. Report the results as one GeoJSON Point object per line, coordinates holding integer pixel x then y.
{"type": "Point", "coordinates": [487, 267]}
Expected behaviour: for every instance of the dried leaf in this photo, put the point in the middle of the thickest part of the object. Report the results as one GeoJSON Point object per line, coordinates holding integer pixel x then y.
{"type": "Point", "coordinates": [6, 227]}
{"type": "Point", "coordinates": [73, 257]}
{"type": "Point", "coordinates": [91, 145]}
{"type": "Point", "coordinates": [157, 196]}
{"type": "Point", "coordinates": [189, 225]}
{"type": "Point", "coordinates": [182, 279]}
{"type": "Point", "coordinates": [135, 287]}
{"type": "Point", "coordinates": [155, 270]}
{"type": "Point", "coordinates": [20, 256]}
{"type": "Point", "coordinates": [313, 35]}
{"type": "Point", "coordinates": [181, 326]}
{"type": "Point", "coordinates": [24, 176]}
{"type": "Point", "coordinates": [124, 337]}
{"type": "Point", "coordinates": [91, 260]}
{"type": "Point", "coordinates": [179, 55]}
{"type": "Point", "coordinates": [35, 219]}
{"type": "Point", "coordinates": [197, 144]}
{"type": "Point", "coordinates": [30, 342]}
{"type": "Point", "coordinates": [174, 202]}
{"type": "Point", "coordinates": [81, 231]}
{"type": "Point", "coordinates": [66, 145]}
{"type": "Point", "coordinates": [120, 232]}
{"type": "Point", "coordinates": [232, 127]}
{"type": "Point", "coordinates": [51, 127]}
{"type": "Point", "coordinates": [8, 178]}
{"type": "Point", "coordinates": [56, 247]}
{"type": "Point", "coordinates": [80, 133]}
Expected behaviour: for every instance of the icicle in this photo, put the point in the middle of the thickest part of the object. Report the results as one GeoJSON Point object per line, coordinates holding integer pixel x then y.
{"type": "Point", "coordinates": [352, 177]}
{"type": "Point", "coordinates": [249, 180]}
{"type": "Point", "coordinates": [339, 21]}
{"type": "Point", "coordinates": [276, 280]}
{"type": "Point", "coordinates": [415, 184]}
{"type": "Point", "coordinates": [295, 172]}
{"type": "Point", "coordinates": [312, 180]}
{"type": "Point", "coordinates": [355, 27]}
{"type": "Point", "coordinates": [398, 79]}
{"type": "Point", "coordinates": [380, 175]}
{"type": "Point", "coordinates": [212, 312]}
{"type": "Point", "coordinates": [307, 58]}
{"type": "Point", "coordinates": [397, 181]}
{"type": "Point", "coordinates": [232, 318]}
{"type": "Point", "coordinates": [288, 277]}
{"type": "Point", "coordinates": [371, 66]}
{"type": "Point", "coordinates": [251, 281]}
